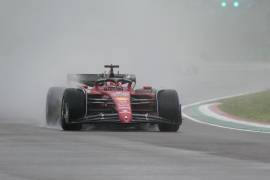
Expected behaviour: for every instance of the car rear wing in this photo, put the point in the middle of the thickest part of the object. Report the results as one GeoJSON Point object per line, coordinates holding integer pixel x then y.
{"type": "Point", "coordinates": [90, 79]}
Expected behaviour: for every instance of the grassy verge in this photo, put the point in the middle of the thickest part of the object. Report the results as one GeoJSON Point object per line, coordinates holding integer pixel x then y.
{"type": "Point", "coordinates": [253, 107]}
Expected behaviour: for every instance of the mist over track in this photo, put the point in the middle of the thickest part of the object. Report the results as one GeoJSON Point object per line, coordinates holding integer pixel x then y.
{"type": "Point", "coordinates": [195, 47]}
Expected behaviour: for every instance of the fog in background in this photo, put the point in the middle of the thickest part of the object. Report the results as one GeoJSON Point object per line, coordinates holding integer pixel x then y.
{"type": "Point", "coordinates": [196, 47]}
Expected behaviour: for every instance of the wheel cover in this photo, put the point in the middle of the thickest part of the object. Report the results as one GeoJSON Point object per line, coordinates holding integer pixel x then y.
{"type": "Point", "coordinates": [65, 113]}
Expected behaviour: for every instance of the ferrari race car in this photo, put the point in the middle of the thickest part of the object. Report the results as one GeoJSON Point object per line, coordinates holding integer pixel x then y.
{"type": "Point", "coordinates": [111, 98]}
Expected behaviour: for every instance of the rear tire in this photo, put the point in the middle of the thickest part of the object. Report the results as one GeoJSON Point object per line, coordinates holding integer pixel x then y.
{"type": "Point", "coordinates": [53, 105]}
{"type": "Point", "coordinates": [73, 108]}
{"type": "Point", "coordinates": [170, 109]}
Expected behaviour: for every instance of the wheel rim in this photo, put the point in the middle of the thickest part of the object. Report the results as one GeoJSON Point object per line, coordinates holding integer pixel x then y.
{"type": "Point", "coordinates": [65, 112]}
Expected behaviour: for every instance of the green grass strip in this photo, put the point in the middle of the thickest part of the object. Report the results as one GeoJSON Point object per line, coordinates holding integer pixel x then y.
{"type": "Point", "coordinates": [195, 113]}
{"type": "Point", "coordinates": [253, 107]}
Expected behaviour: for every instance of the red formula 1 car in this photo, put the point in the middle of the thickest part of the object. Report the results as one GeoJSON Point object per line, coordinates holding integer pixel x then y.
{"type": "Point", "coordinates": [111, 98]}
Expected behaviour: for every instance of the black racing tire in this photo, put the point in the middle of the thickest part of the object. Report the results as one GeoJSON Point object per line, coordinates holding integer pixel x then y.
{"type": "Point", "coordinates": [53, 105]}
{"type": "Point", "coordinates": [73, 108]}
{"type": "Point", "coordinates": [170, 109]}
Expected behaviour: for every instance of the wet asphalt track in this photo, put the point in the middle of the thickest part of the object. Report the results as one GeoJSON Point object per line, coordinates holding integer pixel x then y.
{"type": "Point", "coordinates": [30, 152]}
{"type": "Point", "coordinates": [196, 152]}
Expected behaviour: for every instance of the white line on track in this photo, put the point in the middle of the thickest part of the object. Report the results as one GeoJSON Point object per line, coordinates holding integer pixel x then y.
{"type": "Point", "coordinates": [217, 99]}
{"type": "Point", "coordinates": [205, 109]}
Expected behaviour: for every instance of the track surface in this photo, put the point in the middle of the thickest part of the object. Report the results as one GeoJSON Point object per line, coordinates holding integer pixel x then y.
{"type": "Point", "coordinates": [196, 152]}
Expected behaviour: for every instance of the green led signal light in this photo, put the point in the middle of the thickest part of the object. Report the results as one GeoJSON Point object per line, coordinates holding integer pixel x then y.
{"type": "Point", "coordinates": [236, 4]}
{"type": "Point", "coordinates": [226, 3]}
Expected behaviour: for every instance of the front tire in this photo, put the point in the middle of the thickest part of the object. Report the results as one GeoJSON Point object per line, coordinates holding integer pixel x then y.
{"type": "Point", "coordinates": [170, 109]}
{"type": "Point", "coordinates": [73, 108]}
